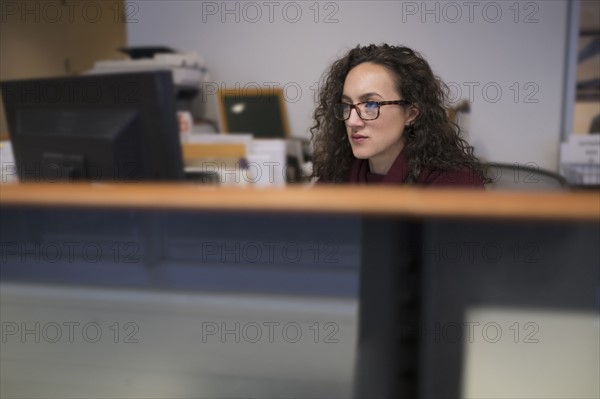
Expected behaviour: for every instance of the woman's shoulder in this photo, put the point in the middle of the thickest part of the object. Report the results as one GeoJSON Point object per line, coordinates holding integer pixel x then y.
{"type": "Point", "coordinates": [460, 177]}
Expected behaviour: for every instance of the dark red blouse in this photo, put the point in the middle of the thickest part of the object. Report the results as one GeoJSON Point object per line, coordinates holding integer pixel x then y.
{"type": "Point", "coordinates": [398, 173]}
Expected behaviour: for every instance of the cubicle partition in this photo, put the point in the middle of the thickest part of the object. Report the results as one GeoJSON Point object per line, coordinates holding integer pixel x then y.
{"type": "Point", "coordinates": [190, 291]}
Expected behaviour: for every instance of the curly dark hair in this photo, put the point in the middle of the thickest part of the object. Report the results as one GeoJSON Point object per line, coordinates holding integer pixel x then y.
{"type": "Point", "coordinates": [432, 141]}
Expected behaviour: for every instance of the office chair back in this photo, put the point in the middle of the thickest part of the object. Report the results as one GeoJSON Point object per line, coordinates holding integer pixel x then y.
{"type": "Point", "coordinates": [517, 177]}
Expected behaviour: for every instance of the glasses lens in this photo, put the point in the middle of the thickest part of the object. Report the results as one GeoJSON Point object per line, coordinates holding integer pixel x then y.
{"type": "Point", "coordinates": [369, 110]}
{"type": "Point", "coordinates": [341, 111]}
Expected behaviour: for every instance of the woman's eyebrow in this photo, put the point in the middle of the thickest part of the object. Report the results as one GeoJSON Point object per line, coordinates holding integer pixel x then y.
{"type": "Point", "coordinates": [366, 96]}
{"type": "Point", "coordinates": [362, 97]}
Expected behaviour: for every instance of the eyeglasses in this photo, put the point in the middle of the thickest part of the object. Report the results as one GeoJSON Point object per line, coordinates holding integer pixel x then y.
{"type": "Point", "coordinates": [370, 109]}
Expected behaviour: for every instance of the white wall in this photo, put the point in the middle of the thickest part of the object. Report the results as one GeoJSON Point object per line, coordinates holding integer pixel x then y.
{"type": "Point", "coordinates": [521, 51]}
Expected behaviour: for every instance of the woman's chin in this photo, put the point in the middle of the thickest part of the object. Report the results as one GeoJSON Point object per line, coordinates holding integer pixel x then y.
{"type": "Point", "coordinates": [360, 153]}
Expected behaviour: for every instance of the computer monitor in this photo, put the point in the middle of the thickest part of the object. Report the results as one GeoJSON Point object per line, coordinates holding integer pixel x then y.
{"type": "Point", "coordinates": [116, 127]}
{"type": "Point", "coordinates": [261, 112]}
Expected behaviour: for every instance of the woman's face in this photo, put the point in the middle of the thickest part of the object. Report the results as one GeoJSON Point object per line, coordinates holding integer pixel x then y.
{"type": "Point", "coordinates": [379, 140]}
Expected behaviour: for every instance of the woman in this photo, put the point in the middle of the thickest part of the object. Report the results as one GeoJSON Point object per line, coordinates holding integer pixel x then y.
{"type": "Point", "coordinates": [382, 119]}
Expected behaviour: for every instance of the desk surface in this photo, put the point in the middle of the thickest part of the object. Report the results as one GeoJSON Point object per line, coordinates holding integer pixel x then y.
{"type": "Point", "coordinates": [400, 201]}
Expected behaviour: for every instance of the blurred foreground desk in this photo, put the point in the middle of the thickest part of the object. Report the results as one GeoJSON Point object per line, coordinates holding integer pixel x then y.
{"type": "Point", "coordinates": [191, 291]}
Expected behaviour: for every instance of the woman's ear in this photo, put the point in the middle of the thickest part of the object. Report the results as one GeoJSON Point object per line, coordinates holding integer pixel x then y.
{"type": "Point", "coordinates": [412, 114]}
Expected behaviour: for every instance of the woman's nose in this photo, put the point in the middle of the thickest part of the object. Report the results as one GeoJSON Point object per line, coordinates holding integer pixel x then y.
{"type": "Point", "coordinates": [354, 119]}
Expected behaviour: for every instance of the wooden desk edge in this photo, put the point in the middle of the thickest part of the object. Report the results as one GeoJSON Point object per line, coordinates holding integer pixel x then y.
{"type": "Point", "coordinates": [400, 201]}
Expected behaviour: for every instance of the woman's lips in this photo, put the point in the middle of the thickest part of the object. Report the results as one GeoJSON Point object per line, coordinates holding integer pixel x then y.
{"type": "Point", "coordinates": [358, 138]}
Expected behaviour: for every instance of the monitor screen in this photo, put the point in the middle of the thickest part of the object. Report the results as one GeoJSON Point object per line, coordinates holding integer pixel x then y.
{"type": "Point", "coordinates": [117, 127]}
{"type": "Point", "coordinates": [256, 111]}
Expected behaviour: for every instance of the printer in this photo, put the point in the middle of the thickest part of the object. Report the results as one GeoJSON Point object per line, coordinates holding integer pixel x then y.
{"type": "Point", "coordinates": [188, 68]}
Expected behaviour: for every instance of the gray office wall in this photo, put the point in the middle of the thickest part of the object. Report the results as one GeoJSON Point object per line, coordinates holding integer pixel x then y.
{"type": "Point", "coordinates": [507, 57]}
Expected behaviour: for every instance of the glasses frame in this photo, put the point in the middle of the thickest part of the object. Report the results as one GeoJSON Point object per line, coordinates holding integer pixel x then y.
{"type": "Point", "coordinates": [379, 104]}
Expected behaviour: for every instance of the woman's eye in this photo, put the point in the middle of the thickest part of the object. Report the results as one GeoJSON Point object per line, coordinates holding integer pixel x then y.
{"type": "Point", "coordinates": [371, 105]}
